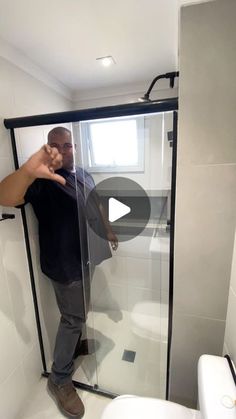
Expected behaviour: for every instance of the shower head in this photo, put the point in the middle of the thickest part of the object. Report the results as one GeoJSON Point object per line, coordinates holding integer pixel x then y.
{"type": "Point", "coordinates": [171, 76]}
{"type": "Point", "coordinates": [144, 98]}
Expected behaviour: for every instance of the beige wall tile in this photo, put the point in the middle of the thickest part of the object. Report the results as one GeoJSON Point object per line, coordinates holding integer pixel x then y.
{"type": "Point", "coordinates": [191, 340]}
{"type": "Point", "coordinates": [230, 330]}
{"type": "Point", "coordinates": [233, 268]}
{"type": "Point", "coordinates": [205, 222]}
{"type": "Point", "coordinates": [206, 179]}
{"type": "Point", "coordinates": [207, 83]}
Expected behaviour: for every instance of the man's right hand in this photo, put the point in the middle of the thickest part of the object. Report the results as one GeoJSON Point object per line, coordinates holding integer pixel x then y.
{"type": "Point", "coordinates": [40, 165]}
{"type": "Point", "coordinates": [43, 163]}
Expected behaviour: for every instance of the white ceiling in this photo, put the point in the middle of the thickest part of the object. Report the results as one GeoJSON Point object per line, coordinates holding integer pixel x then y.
{"type": "Point", "coordinates": [64, 38]}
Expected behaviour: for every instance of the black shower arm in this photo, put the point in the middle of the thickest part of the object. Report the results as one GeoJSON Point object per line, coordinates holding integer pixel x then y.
{"type": "Point", "coordinates": [170, 76]}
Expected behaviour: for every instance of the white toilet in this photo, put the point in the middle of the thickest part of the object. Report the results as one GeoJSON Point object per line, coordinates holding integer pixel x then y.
{"type": "Point", "coordinates": [216, 392]}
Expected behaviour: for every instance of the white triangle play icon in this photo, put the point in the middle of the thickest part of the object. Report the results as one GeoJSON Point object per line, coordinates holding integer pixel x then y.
{"type": "Point", "coordinates": [117, 209]}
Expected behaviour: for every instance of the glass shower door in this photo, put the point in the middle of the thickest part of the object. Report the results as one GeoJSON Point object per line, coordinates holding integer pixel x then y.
{"type": "Point", "coordinates": [129, 286]}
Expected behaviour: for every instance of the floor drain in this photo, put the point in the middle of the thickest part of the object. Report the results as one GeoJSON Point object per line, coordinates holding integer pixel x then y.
{"type": "Point", "coordinates": [128, 356]}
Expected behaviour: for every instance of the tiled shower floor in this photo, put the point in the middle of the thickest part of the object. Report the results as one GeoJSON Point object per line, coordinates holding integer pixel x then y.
{"type": "Point", "coordinates": [112, 368]}
{"type": "Point", "coordinates": [141, 371]}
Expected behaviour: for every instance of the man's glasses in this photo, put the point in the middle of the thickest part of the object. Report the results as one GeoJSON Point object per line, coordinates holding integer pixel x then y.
{"type": "Point", "coordinates": [65, 146]}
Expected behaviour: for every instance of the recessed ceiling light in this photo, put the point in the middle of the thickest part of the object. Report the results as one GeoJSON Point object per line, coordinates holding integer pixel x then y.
{"type": "Point", "coordinates": [106, 61]}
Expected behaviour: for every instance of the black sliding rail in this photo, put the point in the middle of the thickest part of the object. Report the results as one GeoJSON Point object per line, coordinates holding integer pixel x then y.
{"type": "Point", "coordinates": [136, 108]}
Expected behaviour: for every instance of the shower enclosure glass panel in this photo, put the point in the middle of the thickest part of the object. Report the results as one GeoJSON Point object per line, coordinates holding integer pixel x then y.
{"type": "Point", "coordinates": [28, 141]}
{"type": "Point", "coordinates": [128, 312]}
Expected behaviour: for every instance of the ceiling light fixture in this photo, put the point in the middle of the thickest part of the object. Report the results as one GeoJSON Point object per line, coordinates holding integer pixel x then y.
{"type": "Point", "coordinates": [106, 61]}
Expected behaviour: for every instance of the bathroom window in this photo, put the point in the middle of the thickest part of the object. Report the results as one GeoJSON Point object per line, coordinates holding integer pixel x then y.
{"type": "Point", "coordinates": [114, 145]}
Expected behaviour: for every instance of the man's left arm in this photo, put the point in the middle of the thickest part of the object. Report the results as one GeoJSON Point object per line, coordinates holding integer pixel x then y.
{"type": "Point", "coordinates": [111, 236]}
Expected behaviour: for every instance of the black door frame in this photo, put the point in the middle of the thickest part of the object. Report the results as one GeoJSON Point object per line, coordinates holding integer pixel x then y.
{"type": "Point", "coordinates": [138, 108]}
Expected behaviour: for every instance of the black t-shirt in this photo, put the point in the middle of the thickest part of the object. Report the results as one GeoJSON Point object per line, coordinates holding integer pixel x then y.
{"type": "Point", "coordinates": [63, 234]}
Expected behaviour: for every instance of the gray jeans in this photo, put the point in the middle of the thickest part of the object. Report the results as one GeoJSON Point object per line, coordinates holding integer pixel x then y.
{"type": "Point", "coordinates": [73, 302]}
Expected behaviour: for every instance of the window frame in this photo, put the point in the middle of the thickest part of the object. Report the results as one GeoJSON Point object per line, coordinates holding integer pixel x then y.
{"type": "Point", "coordinates": [88, 152]}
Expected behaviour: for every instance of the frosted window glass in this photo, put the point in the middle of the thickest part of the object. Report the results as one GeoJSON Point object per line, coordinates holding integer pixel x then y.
{"type": "Point", "coordinates": [115, 143]}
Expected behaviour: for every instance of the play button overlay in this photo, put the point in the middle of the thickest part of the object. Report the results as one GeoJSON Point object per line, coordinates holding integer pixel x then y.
{"type": "Point", "coordinates": [117, 210]}
{"type": "Point", "coordinates": [118, 203]}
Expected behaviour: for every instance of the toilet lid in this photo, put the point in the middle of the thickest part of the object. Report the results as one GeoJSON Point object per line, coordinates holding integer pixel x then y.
{"type": "Point", "coordinates": [133, 407]}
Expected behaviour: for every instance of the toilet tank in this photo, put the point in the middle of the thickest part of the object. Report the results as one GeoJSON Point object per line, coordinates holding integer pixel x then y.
{"type": "Point", "coordinates": [216, 388]}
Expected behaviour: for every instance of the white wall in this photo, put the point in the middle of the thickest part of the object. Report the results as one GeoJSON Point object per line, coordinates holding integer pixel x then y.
{"type": "Point", "coordinates": [20, 361]}
{"type": "Point", "coordinates": [123, 94]}
{"type": "Point", "coordinates": [206, 193]}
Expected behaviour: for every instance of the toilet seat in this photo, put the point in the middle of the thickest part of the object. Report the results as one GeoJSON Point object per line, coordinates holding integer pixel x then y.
{"type": "Point", "coordinates": [134, 407]}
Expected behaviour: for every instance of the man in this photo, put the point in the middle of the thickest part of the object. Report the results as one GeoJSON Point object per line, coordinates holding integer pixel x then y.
{"type": "Point", "coordinates": [56, 190]}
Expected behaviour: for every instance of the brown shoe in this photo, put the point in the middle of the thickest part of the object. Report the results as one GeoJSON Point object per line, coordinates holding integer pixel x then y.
{"type": "Point", "coordinates": [67, 399]}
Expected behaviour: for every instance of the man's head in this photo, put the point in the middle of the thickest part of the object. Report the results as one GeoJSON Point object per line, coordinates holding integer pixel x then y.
{"type": "Point", "coordinates": [60, 137]}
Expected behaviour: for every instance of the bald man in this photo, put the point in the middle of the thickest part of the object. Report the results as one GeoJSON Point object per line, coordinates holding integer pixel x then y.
{"type": "Point", "coordinates": [52, 184]}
